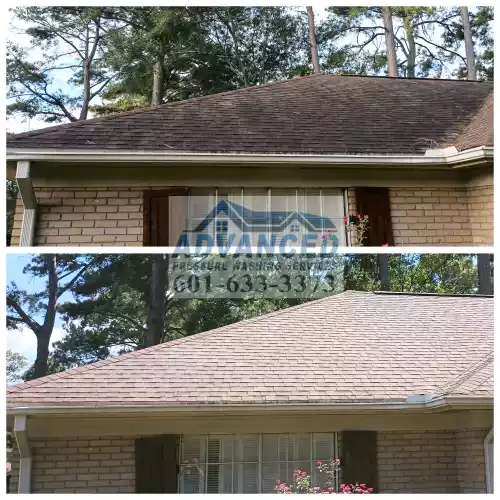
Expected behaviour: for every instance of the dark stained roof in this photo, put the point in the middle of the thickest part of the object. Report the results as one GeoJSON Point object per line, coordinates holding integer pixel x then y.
{"type": "Point", "coordinates": [479, 132]}
{"type": "Point", "coordinates": [352, 347]}
{"type": "Point", "coordinates": [322, 114]}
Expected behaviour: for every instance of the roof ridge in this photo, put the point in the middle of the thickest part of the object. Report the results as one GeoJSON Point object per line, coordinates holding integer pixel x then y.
{"type": "Point", "coordinates": [465, 375]}
{"type": "Point", "coordinates": [164, 345]}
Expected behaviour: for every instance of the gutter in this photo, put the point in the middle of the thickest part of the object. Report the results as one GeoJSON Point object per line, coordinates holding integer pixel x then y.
{"type": "Point", "coordinates": [412, 403]}
{"type": "Point", "coordinates": [441, 157]}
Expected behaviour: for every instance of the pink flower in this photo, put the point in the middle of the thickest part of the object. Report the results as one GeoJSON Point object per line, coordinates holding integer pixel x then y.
{"type": "Point", "coordinates": [363, 485]}
{"type": "Point", "coordinates": [345, 220]}
{"type": "Point", "coordinates": [385, 245]}
{"type": "Point", "coordinates": [337, 460]}
{"type": "Point", "coordinates": [358, 216]}
{"type": "Point", "coordinates": [318, 462]}
{"type": "Point", "coordinates": [365, 217]}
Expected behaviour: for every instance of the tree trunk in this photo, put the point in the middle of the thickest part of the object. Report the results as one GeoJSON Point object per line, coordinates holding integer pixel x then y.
{"type": "Point", "coordinates": [389, 42]}
{"type": "Point", "coordinates": [484, 274]}
{"type": "Point", "coordinates": [40, 367]}
{"type": "Point", "coordinates": [86, 91]}
{"type": "Point", "coordinates": [383, 270]}
{"type": "Point", "coordinates": [158, 81]}
{"type": "Point", "coordinates": [156, 312]}
{"type": "Point", "coordinates": [312, 41]}
{"type": "Point", "coordinates": [469, 45]}
{"type": "Point", "coordinates": [412, 50]}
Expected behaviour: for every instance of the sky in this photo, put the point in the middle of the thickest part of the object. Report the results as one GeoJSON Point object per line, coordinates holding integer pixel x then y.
{"type": "Point", "coordinates": [15, 34]}
{"type": "Point", "coordinates": [24, 341]}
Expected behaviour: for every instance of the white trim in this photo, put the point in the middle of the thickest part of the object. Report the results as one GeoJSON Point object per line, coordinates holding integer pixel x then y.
{"type": "Point", "coordinates": [28, 228]}
{"type": "Point", "coordinates": [437, 403]}
{"type": "Point", "coordinates": [23, 179]}
{"type": "Point", "coordinates": [21, 435]}
{"type": "Point", "coordinates": [123, 156]}
{"type": "Point", "coordinates": [488, 462]}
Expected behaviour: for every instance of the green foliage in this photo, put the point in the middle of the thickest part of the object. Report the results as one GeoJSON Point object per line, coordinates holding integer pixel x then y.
{"type": "Point", "coordinates": [72, 42]}
{"type": "Point", "coordinates": [15, 364]}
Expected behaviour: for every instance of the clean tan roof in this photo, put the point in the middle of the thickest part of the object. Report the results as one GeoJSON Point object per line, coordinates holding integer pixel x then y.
{"type": "Point", "coordinates": [348, 348]}
{"type": "Point", "coordinates": [316, 115]}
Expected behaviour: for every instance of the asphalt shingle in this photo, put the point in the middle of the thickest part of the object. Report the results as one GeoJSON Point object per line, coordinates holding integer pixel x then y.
{"type": "Point", "coordinates": [351, 347]}
{"type": "Point", "coordinates": [317, 115]}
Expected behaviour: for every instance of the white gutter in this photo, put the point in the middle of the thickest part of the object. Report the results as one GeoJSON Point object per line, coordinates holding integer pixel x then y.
{"type": "Point", "coordinates": [123, 156]}
{"type": "Point", "coordinates": [427, 403]}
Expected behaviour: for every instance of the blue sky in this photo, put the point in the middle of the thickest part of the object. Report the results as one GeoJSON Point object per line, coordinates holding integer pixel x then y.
{"type": "Point", "coordinates": [24, 341]}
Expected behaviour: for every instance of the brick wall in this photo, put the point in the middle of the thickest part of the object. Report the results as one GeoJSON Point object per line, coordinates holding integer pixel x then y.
{"type": "Point", "coordinates": [82, 465]}
{"type": "Point", "coordinates": [469, 446]}
{"type": "Point", "coordinates": [445, 461]}
{"type": "Point", "coordinates": [113, 216]}
{"type": "Point", "coordinates": [417, 462]}
{"type": "Point", "coordinates": [86, 217]}
{"type": "Point", "coordinates": [432, 462]}
{"type": "Point", "coordinates": [480, 201]}
{"type": "Point", "coordinates": [430, 216]}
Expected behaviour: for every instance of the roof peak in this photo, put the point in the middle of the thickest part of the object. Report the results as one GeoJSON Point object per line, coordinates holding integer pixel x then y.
{"type": "Point", "coordinates": [433, 294]}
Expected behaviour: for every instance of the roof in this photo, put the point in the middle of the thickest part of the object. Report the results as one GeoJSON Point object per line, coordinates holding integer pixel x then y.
{"type": "Point", "coordinates": [314, 115]}
{"type": "Point", "coordinates": [352, 347]}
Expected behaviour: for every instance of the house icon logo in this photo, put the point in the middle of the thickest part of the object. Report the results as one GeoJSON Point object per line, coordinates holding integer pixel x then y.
{"type": "Point", "coordinates": [231, 226]}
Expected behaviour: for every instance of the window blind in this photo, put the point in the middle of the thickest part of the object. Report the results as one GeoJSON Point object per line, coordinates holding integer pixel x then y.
{"type": "Point", "coordinates": [251, 463]}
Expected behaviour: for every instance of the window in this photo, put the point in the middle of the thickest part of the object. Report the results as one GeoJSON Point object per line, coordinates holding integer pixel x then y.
{"type": "Point", "coordinates": [267, 210]}
{"type": "Point", "coordinates": [251, 463]}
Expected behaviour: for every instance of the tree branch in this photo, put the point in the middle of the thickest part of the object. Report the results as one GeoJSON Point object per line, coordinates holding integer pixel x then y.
{"type": "Point", "coordinates": [31, 323]}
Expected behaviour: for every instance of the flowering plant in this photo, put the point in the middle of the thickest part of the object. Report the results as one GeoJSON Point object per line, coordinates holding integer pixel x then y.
{"type": "Point", "coordinates": [356, 225]}
{"type": "Point", "coordinates": [302, 481]}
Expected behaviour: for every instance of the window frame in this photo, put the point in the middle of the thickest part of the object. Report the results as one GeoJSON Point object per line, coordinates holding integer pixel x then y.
{"type": "Point", "coordinates": [205, 463]}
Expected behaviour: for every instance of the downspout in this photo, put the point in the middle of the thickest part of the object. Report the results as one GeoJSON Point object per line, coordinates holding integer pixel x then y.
{"type": "Point", "coordinates": [21, 434]}
{"type": "Point", "coordinates": [25, 185]}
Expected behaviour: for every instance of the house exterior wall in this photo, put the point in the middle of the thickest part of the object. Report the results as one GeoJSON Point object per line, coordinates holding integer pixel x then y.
{"type": "Point", "coordinates": [430, 216]}
{"type": "Point", "coordinates": [469, 445]}
{"type": "Point", "coordinates": [433, 457]}
{"type": "Point", "coordinates": [480, 205]}
{"type": "Point", "coordinates": [114, 216]}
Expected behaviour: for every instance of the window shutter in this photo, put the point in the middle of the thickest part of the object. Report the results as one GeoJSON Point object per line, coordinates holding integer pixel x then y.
{"type": "Point", "coordinates": [156, 464]}
{"type": "Point", "coordinates": [374, 202]}
{"type": "Point", "coordinates": [164, 216]}
{"type": "Point", "coordinates": [359, 464]}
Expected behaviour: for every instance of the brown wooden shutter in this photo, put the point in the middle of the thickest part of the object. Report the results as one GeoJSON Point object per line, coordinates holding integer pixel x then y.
{"type": "Point", "coordinates": [156, 464]}
{"type": "Point", "coordinates": [374, 202]}
{"type": "Point", "coordinates": [359, 464]}
{"type": "Point", "coordinates": [158, 216]}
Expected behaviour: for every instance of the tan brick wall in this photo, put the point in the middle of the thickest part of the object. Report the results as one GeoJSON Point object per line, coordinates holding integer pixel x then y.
{"type": "Point", "coordinates": [417, 462]}
{"type": "Point", "coordinates": [86, 217]}
{"type": "Point", "coordinates": [83, 465]}
{"type": "Point", "coordinates": [469, 445]}
{"type": "Point", "coordinates": [113, 216]}
{"type": "Point", "coordinates": [445, 461]}
{"type": "Point", "coordinates": [14, 462]}
{"type": "Point", "coordinates": [430, 216]}
{"type": "Point", "coordinates": [481, 214]}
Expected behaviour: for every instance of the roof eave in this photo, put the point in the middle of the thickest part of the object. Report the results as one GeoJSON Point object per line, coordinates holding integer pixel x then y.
{"type": "Point", "coordinates": [435, 404]}
{"type": "Point", "coordinates": [450, 159]}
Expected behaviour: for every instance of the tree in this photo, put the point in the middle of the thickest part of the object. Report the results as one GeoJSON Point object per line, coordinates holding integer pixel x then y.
{"type": "Point", "coordinates": [202, 51]}
{"type": "Point", "coordinates": [312, 40]}
{"type": "Point", "coordinates": [427, 40]}
{"type": "Point", "coordinates": [15, 363]}
{"type": "Point", "coordinates": [71, 40]}
{"type": "Point", "coordinates": [389, 42]}
{"type": "Point", "coordinates": [62, 273]}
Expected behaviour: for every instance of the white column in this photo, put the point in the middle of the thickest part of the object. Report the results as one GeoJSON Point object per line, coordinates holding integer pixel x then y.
{"type": "Point", "coordinates": [23, 178]}
{"type": "Point", "coordinates": [21, 434]}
